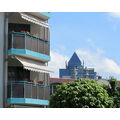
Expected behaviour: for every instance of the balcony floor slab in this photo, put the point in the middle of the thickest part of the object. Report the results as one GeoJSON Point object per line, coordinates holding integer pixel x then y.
{"type": "Point", "coordinates": [29, 53]}
{"type": "Point", "coordinates": [27, 101]}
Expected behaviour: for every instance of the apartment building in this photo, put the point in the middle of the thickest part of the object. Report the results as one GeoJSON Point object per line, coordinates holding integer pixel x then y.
{"type": "Point", "coordinates": [25, 53]}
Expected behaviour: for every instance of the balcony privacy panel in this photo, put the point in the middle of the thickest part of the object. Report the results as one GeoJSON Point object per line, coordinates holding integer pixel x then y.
{"type": "Point", "coordinates": [34, 92]}
{"type": "Point", "coordinates": [40, 47]}
{"type": "Point", "coordinates": [28, 43]}
{"type": "Point", "coordinates": [18, 42]}
{"type": "Point", "coordinates": [28, 93]}
{"type": "Point", "coordinates": [40, 92]}
{"type": "Point", "coordinates": [18, 91]}
{"type": "Point", "coordinates": [46, 93]}
{"type": "Point", "coordinates": [47, 49]}
{"type": "Point", "coordinates": [34, 45]}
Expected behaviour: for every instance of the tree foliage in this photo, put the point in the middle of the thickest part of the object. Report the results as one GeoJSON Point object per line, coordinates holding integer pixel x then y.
{"type": "Point", "coordinates": [80, 93]}
{"type": "Point", "coordinates": [114, 92]}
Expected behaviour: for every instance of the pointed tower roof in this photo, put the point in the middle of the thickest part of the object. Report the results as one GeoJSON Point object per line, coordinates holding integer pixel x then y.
{"type": "Point", "coordinates": [74, 61]}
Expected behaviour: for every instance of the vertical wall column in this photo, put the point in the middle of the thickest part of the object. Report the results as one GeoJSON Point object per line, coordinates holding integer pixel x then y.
{"type": "Point", "coordinates": [3, 58]}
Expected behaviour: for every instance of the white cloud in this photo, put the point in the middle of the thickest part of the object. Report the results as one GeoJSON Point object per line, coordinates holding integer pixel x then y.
{"type": "Point", "coordinates": [91, 42]}
{"type": "Point", "coordinates": [62, 47]}
{"type": "Point", "coordinates": [103, 65]}
{"type": "Point", "coordinates": [115, 14]}
{"type": "Point", "coordinates": [57, 61]}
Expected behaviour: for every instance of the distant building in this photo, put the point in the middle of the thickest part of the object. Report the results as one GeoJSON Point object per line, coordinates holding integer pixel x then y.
{"type": "Point", "coordinates": [118, 83]}
{"type": "Point", "coordinates": [57, 81]}
{"type": "Point", "coordinates": [75, 69]}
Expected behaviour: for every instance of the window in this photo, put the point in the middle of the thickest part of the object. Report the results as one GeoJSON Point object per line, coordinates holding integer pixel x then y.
{"type": "Point", "coordinates": [18, 74]}
{"type": "Point", "coordinates": [44, 33]}
{"type": "Point", "coordinates": [18, 27]}
{"type": "Point", "coordinates": [22, 74]}
{"type": "Point", "coordinates": [11, 74]}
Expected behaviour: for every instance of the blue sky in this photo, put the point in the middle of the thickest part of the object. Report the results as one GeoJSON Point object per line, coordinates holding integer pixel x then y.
{"type": "Point", "coordinates": [93, 35]}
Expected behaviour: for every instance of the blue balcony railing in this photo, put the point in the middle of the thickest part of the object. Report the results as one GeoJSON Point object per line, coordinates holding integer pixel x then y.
{"type": "Point", "coordinates": [19, 40]}
{"type": "Point", "coordinates": [25, 89]}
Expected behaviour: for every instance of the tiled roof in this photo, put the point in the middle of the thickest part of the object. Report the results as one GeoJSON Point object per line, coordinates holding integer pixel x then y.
{"type": "Point", "coordinates": [118, 82]}
{"type": "Point", "coordinates": [60, 80]}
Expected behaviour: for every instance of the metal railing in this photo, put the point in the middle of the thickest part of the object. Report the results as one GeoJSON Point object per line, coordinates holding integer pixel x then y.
{"type": "Point", "coordinates": [25, 89]}
{"type": "Point", "coordinates": [19, 40]}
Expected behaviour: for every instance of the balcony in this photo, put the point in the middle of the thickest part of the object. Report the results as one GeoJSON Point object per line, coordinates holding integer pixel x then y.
{"type": "Point", "coordinates": [29, 45]}
{"type": "Point", "coordinates": [28, 93]}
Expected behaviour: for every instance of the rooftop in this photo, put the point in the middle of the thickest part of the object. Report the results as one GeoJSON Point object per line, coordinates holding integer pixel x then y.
{"type": "Point", "coordinates": [61, 80]}
{"type": "Point", "coordinates": [74, 61]}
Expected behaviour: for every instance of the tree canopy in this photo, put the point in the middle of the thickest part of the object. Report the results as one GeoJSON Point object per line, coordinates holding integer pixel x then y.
{"type": "Point", "coordinates": [114, 92]}
{"type": "Point", "coordinates": [82, 93]}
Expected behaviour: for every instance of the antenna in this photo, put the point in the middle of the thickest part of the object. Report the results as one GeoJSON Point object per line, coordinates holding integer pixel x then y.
{"type": "Point", "coordinates": [66, 64]}
{"type": "Point", "coordinates": [83, 63]}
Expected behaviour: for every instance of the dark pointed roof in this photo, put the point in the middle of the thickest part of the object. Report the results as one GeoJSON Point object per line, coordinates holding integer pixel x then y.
{"type": "Point", "coordinates": [74, 61]}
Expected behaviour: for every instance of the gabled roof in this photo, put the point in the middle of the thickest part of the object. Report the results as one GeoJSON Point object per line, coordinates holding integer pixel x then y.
{"type": "Point", "coordinates": [74, 61]}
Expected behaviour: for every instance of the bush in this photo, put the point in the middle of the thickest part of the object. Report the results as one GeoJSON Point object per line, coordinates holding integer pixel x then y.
{"type": "Point", "coordinates": [81, 93]}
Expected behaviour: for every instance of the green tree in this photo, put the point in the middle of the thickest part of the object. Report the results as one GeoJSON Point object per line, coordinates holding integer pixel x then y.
{"type": "Point", "coordinates": [114, 92]}
{"type": "Point", "coordinates": [80, 93]}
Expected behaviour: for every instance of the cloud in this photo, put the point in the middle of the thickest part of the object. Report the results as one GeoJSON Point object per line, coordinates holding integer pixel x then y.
{"type": "Point", "coordinates": [57, 62]}
{"type": "Point", "coordinates": [90, 42]}
{"type": "Point", "coordinates": [62, 47]}
{"type": "Point", "coordinates": [103, 65]}
{"type": "Point", "coordinates": [115, 14]}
